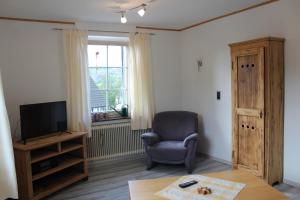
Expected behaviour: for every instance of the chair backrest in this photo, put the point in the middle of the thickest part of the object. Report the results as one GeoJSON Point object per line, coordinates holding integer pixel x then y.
{"type": "Point", "coordinates": [175, 125]}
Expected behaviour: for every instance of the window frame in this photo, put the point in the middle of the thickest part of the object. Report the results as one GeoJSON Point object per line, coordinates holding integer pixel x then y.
{"type": "Point", "coordinates": [124, 65]}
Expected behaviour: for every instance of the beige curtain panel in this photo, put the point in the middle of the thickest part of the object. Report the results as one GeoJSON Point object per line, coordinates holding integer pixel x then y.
{"type": "Point", "coordinates": [76, 64]}
{"type": "Point", "coordinates": [140, 82]}
{"type": "Point", "coordinates": [8, 180]}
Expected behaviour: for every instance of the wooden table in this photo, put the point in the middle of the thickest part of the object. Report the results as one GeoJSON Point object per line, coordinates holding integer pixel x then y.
{"type": "Point", "coordinates": [255, 188]}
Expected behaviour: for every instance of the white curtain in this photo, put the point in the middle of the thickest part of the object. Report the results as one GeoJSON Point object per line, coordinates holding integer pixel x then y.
{"type": "Point", "coordinates": [8, 180]}
{"type": "Point", "coordinates": [76, 63]}
{"type": "Point", "coordinates": [140, 82]}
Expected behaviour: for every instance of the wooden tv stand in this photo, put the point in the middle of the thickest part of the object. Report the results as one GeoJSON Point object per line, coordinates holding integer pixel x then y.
{"type": "Point", "coordinates": [47, 165]}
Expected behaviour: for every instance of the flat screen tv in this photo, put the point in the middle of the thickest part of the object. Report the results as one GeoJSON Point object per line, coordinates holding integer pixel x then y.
{"type": "Point", "coordinates": [41, 119]}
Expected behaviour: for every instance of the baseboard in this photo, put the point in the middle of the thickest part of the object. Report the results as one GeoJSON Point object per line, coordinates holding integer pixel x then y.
{"type": "Point", "coordinates": [215, 158]}
{"type": "Point", "coordinates": [9, 198]}
{"type": "Point", "coordinates": [139, 155]}
{"type": "Point", "coordinates": [292, 183]}
{"type": "Point", "coordinates": [119, 156]}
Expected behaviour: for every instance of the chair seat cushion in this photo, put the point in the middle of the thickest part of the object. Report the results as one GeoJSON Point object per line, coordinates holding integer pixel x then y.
{"type": "Point", "coordinates": [168, 151]}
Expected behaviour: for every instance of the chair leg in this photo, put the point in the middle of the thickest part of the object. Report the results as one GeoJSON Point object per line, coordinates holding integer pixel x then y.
{"type": "Point", "coordinates": [189, 171]}
{"type": "Point", "coordinates": [189, 167]}
{"type": "Point", "coordinates": [150, 164]}
{"type": "Point", "coordinates": [190, 158]}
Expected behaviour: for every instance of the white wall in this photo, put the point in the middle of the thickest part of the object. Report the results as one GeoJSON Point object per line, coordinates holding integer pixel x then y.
{"type": "Point", "coordinates": [32, 65]}
{"type": "Point", "coordinates": [210, 41]}
{"type": "Point", "coordinates": [166, 71]}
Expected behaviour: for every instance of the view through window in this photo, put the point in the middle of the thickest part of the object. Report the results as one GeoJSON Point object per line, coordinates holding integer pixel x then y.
{"type": "Point", "coordinates": [108, 77]}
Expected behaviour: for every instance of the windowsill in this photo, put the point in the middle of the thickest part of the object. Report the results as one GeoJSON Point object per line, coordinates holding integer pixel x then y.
{"type": "Point", "coordinates": [111, 121]}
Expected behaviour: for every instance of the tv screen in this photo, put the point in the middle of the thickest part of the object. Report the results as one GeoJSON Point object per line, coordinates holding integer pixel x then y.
{"type": "Point", "coordinates": [42, 119]}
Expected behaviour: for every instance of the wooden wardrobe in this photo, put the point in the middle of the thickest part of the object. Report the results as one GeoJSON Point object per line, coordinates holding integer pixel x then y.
{"type": "Point", "coordinates": [257, 107]}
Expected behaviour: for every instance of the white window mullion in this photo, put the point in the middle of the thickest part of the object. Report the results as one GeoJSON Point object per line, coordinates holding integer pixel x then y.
{"type": "Point", "coordinates": [123, 83]}
{"type": "Point", "coordinates": [107, 79]}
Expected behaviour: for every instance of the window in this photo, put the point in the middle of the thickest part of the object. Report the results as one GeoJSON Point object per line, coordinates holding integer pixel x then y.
{"type": "Point", "coordinates": [108, 77]}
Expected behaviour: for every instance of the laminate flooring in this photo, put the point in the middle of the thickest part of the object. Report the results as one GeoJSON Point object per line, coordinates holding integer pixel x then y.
{"type": "Point", "coordinates": [108, 180]}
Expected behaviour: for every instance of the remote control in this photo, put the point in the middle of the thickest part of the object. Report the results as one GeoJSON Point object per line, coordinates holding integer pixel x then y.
{"type": "Point", "coordinates": [187, 184]}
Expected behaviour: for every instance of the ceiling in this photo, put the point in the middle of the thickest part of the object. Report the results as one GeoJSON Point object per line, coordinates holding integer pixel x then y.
{"type": "Point", "coordinates": [160, 13]}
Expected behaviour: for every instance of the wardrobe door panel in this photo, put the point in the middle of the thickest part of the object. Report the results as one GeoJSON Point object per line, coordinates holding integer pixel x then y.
{"type": "Point", "coordinates": [249, 109]}
{"type": "Point", "coordinates": [250, 144]}
{"type": "Point", "coordinates": [248, 72]}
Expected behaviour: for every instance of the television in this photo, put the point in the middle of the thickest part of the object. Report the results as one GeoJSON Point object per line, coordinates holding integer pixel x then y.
{"type": "Point", "coordinates": [42, 119]}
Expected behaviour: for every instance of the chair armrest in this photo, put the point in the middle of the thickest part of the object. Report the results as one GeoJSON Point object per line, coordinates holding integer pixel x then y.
{"type": "Point", "coordinates": [150, 138]}
{"type": "Point", "coordinates": [191, 138]}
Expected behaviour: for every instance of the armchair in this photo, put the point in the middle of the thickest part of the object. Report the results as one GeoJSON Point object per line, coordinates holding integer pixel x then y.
{"type": "Point", "coordinates": [173, 139]}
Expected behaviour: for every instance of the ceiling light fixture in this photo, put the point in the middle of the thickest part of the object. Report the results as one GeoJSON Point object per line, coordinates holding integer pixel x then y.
{"type": "Point", "coordinates": [142, 11]}
{"type": "Point", "coordinates": [123, 18]}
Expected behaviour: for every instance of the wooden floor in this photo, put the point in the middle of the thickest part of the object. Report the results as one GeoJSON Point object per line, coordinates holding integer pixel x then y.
{"type": "Point", "coordinates": [108, 180]}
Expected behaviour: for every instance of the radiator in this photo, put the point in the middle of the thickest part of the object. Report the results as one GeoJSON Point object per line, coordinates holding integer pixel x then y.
{"type": "Point", "coordinates": [114, 141]}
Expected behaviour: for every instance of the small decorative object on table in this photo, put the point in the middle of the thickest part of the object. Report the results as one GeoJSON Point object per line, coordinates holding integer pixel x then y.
{"type": "Point", "coordinates": [204, 190]}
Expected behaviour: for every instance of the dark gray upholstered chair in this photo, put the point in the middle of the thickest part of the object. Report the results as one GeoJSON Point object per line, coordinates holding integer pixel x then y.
{"type": "Point", "coordinates": [173, 139]}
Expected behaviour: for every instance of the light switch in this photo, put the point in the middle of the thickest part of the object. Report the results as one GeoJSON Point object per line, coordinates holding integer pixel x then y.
{"type": "Point", "coordinates": [218, 95]}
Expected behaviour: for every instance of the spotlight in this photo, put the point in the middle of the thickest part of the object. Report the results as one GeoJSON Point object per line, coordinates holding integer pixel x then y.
{"type": "Point", "coordinates": [142, 11]}
{"type": "Point", "coordinates": [123, 18]}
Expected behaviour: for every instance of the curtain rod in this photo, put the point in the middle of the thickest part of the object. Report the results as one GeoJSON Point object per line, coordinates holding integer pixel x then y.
{"type": "Point", "coordinates": [102, 31]}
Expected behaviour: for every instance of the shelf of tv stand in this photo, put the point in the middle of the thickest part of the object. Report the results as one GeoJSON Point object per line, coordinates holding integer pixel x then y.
{"type": "Point", "coordinates": [68, 178]}
{"type": "Point", "coordinates": [43, 155]}
{"type": "Point", "coordinates": [67, 150]}
{"type": "Point", "coordinates": [62, 165]}
{"type": "Point", "coordinates": [42, 142]}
